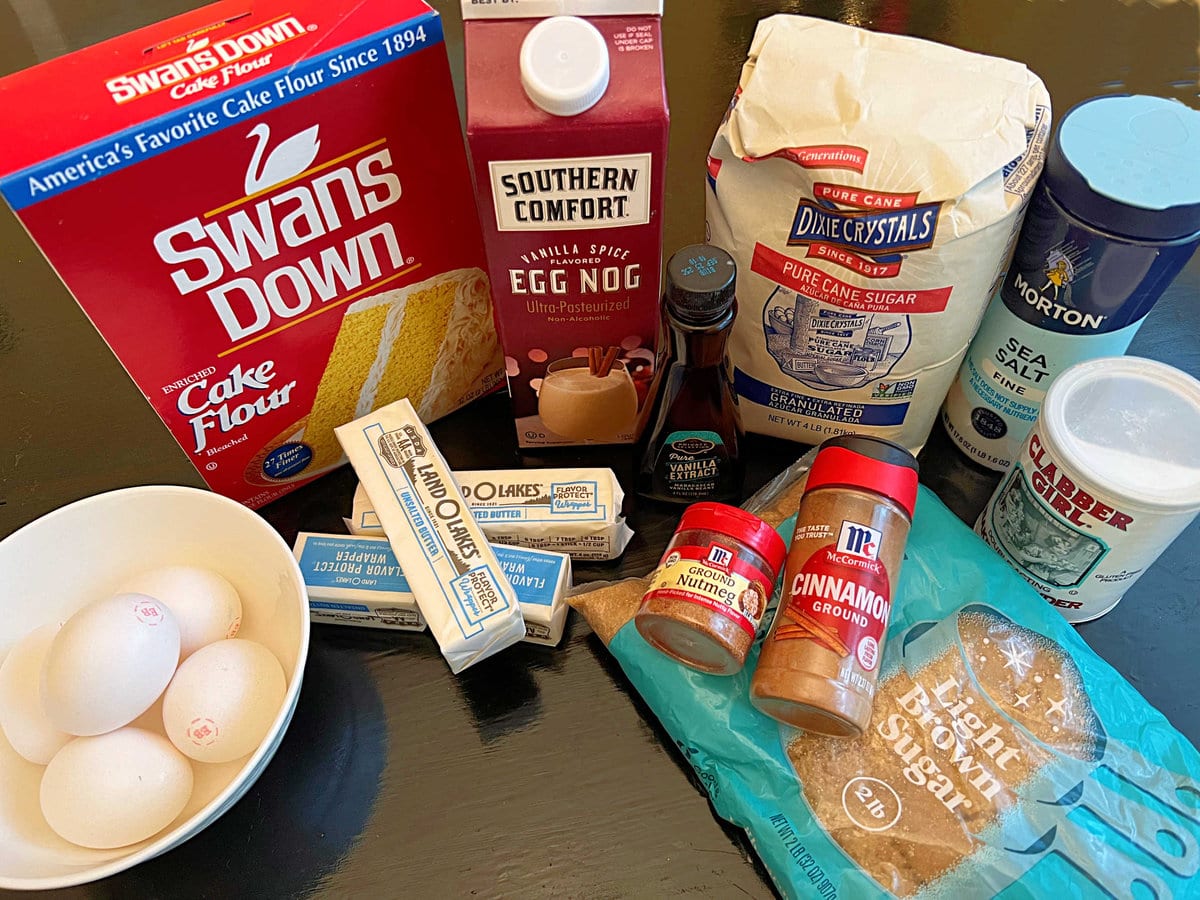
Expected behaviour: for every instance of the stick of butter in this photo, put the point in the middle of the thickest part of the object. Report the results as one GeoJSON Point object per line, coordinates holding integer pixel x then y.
{"type": "Point", "coordinates": [455, 577]}
{"type": "Point", "coordinates": [573, 511]}
{"type": "Point", "coordinates": [541, 580]}
{"type": "Point", "coordinates": [355, 580]}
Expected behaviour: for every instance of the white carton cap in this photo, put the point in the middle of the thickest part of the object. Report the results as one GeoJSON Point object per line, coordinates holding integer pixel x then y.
{"type": "Point", "coordinates": [541, 9]}
{"type": "Point", "coordinates": [564, 65]}
{"type": "Point", "coordinates": [1130, 428]}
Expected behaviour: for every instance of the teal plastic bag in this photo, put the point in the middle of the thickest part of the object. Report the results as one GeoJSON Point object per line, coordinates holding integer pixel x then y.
{"type": "Point", "coordinates": [1003, 757]}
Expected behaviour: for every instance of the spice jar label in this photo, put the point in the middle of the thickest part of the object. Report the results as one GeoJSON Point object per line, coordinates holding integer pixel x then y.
{"type": "Point", "coordinates": [841, 597]}
{"type": "Point", "coordinates": [712, 576]}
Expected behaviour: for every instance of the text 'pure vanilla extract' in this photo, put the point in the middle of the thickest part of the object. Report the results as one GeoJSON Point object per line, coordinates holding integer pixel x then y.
{"type": "Point", "coordinates": [694, 449]}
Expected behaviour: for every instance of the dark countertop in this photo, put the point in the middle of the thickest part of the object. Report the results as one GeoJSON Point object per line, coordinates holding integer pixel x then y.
{"type": "Point", "coordinates": [537, 772]}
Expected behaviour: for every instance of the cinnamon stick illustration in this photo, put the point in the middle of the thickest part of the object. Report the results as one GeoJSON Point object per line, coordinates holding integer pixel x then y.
{"type": "Point", "coordinates": [607, 361]}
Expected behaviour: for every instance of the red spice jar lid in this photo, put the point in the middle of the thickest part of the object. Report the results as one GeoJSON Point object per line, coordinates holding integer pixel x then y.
{"type": "Point", "coordinates": [740, 525]}
{"type": "Point", "coordinates": [856, 460]}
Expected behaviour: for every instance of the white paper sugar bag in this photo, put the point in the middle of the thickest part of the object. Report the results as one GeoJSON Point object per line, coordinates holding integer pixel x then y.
{"type": "Point", "coordinates": [870, 188]}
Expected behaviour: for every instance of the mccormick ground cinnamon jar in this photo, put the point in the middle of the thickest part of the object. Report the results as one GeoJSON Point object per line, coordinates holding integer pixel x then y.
{"type": "Point", "coordinates": [820, 661]}
{"type": "Point", "coordinates": [709, 593]}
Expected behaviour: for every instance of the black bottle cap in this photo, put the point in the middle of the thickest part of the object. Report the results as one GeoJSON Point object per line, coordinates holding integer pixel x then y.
{"type": "Point", "coordinates": [701, 280]}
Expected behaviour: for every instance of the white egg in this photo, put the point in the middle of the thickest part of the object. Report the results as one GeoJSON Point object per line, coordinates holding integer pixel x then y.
{"type": "Point", "coordinates": [22, 716]}
{"type": "Point", "coordinates": [115, 789]}
{"type": "Point", "coordinates": [206, 606]}
{"type": "Point", "coordinates": [222, 701]}
{"type": "Point", "coordinates": [109, 663]}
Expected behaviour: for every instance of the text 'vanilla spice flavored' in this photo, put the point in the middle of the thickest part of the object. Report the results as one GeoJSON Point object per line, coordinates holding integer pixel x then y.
{"type": "Point", "coordinates": [567, 126]}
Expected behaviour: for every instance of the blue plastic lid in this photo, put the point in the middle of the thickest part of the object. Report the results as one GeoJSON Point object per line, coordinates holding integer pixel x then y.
{"type": "Point", "coordinates": [1129, 165]}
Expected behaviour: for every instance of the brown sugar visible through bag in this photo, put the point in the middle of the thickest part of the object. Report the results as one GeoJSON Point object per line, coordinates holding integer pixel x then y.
{"type": "Point", "coordinates": [934, 816]}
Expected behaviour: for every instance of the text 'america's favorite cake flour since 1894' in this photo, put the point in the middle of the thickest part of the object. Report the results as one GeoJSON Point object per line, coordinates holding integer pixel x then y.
{"type": "Point", "coordinates": [241, 205]}
{"type": "Point", "coordinates": [870, 215]}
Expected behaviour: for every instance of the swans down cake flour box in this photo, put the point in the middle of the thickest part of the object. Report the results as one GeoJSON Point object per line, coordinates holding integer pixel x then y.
{"type": "Point", "coordinates": [268, 216]}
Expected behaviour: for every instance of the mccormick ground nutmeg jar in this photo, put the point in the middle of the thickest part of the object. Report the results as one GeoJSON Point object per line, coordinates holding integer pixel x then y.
{"type": "Point", "coordinates": [710, 591]}
{"type": "Point", "coordinates": [820, 660]}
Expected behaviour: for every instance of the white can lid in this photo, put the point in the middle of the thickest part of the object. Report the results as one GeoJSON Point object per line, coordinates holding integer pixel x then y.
{"type": "Point", "coordinates": [1129, 427]}
{"type": "Point", "coordinates": [564, 65]}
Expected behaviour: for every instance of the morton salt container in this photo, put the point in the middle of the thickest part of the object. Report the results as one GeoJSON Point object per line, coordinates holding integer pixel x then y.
{"type": "Point", "coordinates": [1114, 219]}
{"type": "Point", "coordinates": [1106, 479]}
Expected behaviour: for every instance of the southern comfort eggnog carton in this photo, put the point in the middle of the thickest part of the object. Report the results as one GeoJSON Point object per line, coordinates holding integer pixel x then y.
{"type": "Point", "coordinates": [265, 209]}
{"type": "Point", "coordinates": [567, 126]}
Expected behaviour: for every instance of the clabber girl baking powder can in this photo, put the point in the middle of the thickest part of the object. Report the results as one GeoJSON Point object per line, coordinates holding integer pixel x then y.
{"type": "Point", "coordinates": [1106, 479]}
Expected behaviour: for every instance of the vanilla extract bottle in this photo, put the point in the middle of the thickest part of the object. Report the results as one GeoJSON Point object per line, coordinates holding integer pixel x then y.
{"type": "Point", "coordinates": [694, 448]}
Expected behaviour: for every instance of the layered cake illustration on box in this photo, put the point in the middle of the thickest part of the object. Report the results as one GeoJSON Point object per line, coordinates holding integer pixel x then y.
{"type": "Point", "coordinates": [432, 342]}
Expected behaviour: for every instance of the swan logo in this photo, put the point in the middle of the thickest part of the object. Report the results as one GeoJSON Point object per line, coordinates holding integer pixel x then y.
{"type": "Point", "coordinates": [231, 253]}
{"type": "Point", "coordinates": [289, 158]}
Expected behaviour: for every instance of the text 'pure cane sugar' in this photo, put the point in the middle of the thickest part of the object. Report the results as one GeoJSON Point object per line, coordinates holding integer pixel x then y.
{"type": "Point", "coordinates": [870, 215]}
{"type": "Point", "coordinates": [240, 204]}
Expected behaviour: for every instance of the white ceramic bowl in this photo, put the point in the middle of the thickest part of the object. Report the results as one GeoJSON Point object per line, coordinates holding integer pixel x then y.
{"type": "Point", "coordinates": [82, 552]}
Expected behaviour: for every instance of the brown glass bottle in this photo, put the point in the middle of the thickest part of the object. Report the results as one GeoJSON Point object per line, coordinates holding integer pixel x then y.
{"type": "Point", "coordinates": [693, 451]}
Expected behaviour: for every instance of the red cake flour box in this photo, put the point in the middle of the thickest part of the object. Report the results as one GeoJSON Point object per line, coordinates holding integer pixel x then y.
{"type": "Point", "coordinates": [265, 209]}
{"type": "Point", "coordinates": [567, 128]}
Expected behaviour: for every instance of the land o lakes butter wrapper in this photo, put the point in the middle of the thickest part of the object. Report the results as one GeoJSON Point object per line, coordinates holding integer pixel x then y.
{"type": "Point", "coordinates": [1003, 757]}
{"type": "Point", "coordinates": [355, 580]}
{"type": "Point", "coordinates": [572, 511]}
{"type": "Point", "coordinates": [459, 585]}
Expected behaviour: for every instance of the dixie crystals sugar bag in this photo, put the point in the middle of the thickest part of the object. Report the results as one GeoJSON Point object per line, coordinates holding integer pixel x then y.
{"type": "Point", "coordinates": [870, 188]}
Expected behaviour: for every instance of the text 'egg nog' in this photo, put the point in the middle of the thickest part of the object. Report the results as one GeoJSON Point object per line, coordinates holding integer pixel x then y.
{"type": "Point", "coordinates": [268, 216]}
{"type": "Point", "coordinates": [567, 127]}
